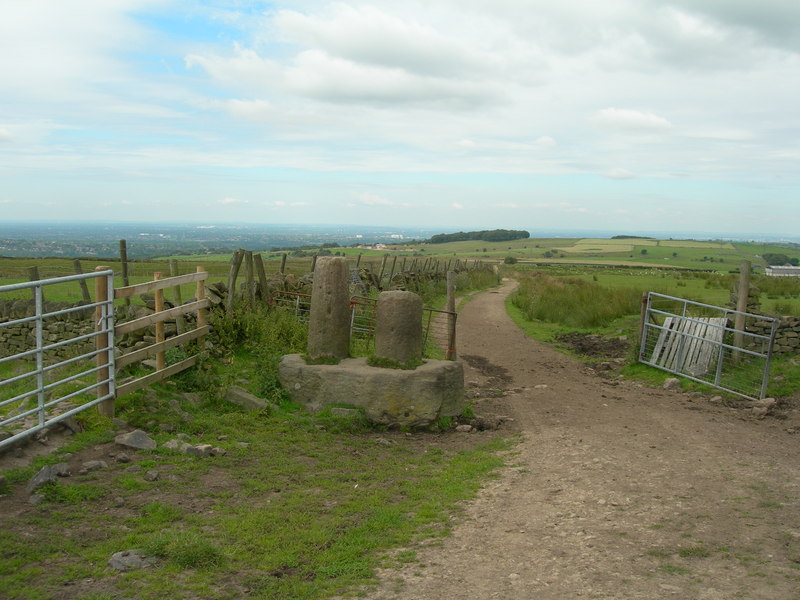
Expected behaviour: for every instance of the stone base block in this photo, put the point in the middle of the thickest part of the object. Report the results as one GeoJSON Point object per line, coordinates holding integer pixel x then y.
{"type": "Point", "coordinates": [396, 397]}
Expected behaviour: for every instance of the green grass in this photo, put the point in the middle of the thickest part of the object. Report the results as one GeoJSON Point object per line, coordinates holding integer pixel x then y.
{"type": "Point", "coordinates": [302, 506]}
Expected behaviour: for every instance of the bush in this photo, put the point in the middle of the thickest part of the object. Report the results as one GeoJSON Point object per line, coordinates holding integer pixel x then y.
{"type": "Point", "coordinates": [510, 260]}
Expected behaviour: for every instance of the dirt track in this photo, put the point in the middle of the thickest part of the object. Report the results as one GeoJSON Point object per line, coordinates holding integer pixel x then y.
{"type": "Point", "coordinates": [617, 491]}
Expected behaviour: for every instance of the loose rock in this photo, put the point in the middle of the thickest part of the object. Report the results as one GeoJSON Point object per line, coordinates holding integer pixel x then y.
{"type": "Point", "coordinates": [137, 439]}
{"type": "Point", "coordinates": [48, 474]}
{"type": "Point", "coordinates": [127, 560]}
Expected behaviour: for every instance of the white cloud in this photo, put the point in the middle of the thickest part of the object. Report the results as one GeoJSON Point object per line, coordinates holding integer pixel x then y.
{"type": "Point", "coordinates": [5, 135]}
{"type": "Point", "coordinates": [632, 120]}
{"type": "Point", "coordinates": [457, 206]}
{"type": "Point", "coordinates": [230, 200]}
{"type": "Point", "coordinates": [373, 200]}
{"type": "Point", "coordinates": [619, 173]}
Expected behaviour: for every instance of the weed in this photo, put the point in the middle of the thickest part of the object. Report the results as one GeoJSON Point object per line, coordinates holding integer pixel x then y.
{"type": "Point", "coordinates": [74, 493]}
{"type": "Point", "coordinates": [388, 363]}
{"type": "Point", "coordinates": [694, 552]}
{"type": "Point", "coordinates": [184, 549]}
{"type": "Point", "coordinates": [671, 569]}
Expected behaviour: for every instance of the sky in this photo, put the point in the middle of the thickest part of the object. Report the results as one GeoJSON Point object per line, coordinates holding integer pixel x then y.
{"type": "Point", "coordinates": [629, 115]}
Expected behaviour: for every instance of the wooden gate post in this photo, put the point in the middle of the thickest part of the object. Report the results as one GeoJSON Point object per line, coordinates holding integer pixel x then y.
{"type": "Point", "coordinates": [106, 407]}
{"type": "Point", "coordinates": [200, 295]}
{"type": "Point", "coordinates": [161, 359]}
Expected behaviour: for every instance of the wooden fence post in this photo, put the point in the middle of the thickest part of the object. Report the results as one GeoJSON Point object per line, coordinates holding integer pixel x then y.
{"type": "Point", "coordinates": [176, 295]}
{"type": "Point", "coordinates": [161, 360]}
{"type": "Point", "coordinates": [262, 277]}
{"type": "Point", "coordinates": [358, 261]}
{"type": "Point", "coordinates": [642, 317]}
{"type": "Point", "coordinates": [391, 271]}
{"type": "Point", "coordinates": [200, 294]}
{"type": "Point", "coordinates": [87, 299]}
{"type": "Point", "coordinates": [314, 262]}
{"type": "Point", "coordinates": [380, 275]}
{"type": "Point", "coordinates": [451, 317]}
{"type": "Point", "coordinates": [283, 263]}
{"type": "Point", "coordinates": [105, 408]}
{"type": "Point", "coordinates": [33, 275]}
{"type": "Point", "coordinates": [249, 279]}
{"type": "Point", "coordinates": [236, 263]}
{"type": "Point", "coordinates": [741, 306]}
{"type": "Point", "coordinates": [123, 258]}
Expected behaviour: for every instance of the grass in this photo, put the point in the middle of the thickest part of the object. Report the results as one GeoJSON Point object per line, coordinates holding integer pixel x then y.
{"type": "Point", "coordinates": [305, 510]}
{"type": "Point", "coordinates": [300, 506]}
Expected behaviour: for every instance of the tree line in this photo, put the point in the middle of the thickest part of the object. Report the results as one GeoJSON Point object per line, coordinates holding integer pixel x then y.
{"type": "Point", "coordinates": [494, 235]}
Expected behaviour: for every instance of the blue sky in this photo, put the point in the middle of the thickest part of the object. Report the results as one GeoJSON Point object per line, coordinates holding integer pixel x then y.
{"type": "Point", "coordinates": [629, 115]}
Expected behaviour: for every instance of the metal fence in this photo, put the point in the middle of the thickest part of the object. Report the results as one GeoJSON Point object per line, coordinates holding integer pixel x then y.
{"type": "Point", "coordinates": [700, 342]}
{"type": "Point", "coordinates": [47, 389]}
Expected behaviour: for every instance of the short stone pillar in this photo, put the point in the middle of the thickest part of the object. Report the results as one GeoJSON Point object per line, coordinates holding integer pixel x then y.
{"type": "Point", "coordinates": [329, 321]}
{"type": "Point", "coordinates": [398, 327]}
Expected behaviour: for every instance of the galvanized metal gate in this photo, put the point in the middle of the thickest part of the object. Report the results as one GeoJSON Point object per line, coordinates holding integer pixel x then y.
{"type": "Point", "coordinates": [33, 402]}
{"type": "Point", "coordinates": [700, 342]}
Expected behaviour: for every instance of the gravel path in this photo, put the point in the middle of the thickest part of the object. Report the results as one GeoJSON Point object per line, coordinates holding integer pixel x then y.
{"type": "Point", "coordinates": [616, 490]}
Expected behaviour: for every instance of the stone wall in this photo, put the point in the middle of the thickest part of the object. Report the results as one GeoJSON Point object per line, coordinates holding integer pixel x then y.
{"type": "Point", "coordinates": [21, 337]}
{"type": "Point", "coordinates": [787, 339]}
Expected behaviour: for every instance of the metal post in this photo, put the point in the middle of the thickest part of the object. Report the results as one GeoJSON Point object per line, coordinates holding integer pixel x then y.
{"type": "Point", "coordinates": [40, 397]}
{"type": "Point", "coordinates": [451, 316]}
{"type": "Point", "coordinates": [101, 285]}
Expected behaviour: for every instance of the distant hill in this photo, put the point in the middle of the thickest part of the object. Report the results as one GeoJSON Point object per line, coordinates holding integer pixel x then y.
{"type": "Point", "coordinates": [494, 235]}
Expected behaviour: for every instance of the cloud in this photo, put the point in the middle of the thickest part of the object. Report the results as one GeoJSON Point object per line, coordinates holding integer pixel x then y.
{"type": "Point", "coordinates": [633, 120]}
{"type": "Point", "coordinates": [5, 135]}
{"type": "Point", "coordinates": [506, 205]}
{"type": "Point", "coordinates": [619, 173]}
{"type": "Point", "coordinates": [230, 200]}
{"type": "Point", "coordinates": [457, 206]}
{"type": "Point", "coordinates": [374, 37]}
{"type": "Point", "coordinates": [373, 200]}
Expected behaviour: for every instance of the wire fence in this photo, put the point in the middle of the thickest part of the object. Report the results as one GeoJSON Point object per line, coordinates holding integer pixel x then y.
{"type": "Point", "coordinates": [436, 329]}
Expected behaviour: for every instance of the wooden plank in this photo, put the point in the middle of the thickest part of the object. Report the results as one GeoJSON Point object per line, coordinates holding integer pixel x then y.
{"type": "Point", "coordinates": [150, 286]}
{"type": "Point", "coordinates": [137, 384]}
{"type": "Point", "coordinates": [159, 317]}
{"type": "Point", "coordinates": [662, 337]}
{"type": "Point", "coordinates": [694, 331]}
{"type": "Point", "coordinates": [178, 340]}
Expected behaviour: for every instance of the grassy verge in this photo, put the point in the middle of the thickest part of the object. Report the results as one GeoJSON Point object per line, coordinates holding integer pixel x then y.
{"type": "Point", "coordinates": [298, 506]}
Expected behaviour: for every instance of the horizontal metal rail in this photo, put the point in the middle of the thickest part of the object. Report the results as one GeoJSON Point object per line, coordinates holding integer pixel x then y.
{"type": "Point", "coordinates": [690, 343]}
{"type": "Point", "coordinates": [46, 376]}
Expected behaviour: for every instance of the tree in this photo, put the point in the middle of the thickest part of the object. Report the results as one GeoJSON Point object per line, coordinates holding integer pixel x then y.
{"type": "Point", "coordinates": [644, 251]}
{"type": "Point", "coordinates": [510, 260]}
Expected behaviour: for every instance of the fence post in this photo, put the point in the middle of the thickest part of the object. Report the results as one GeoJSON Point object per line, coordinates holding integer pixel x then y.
{"type": "Point", "coordinates": [642, 317]}
{"type": "Point", "coordinates": [262, 277]}
{"type": "Point", "coordinates": [33, 275]}
{"type": "Point", "coordinates": [200, 294]}
{"type": "Point", "coordinates": [358, 261]}
{"type": "Point", "coordinates": [451, 316]}
{"type": "Point", "coordinates": [741, 307]}
{"type": "Point", "coordinates": [87, 299]}
{"type": "Point", "coordinates": [177, 296]}
{"type": "Point", "coordinates": [283, 263]}
{"type": "Point", "coordinates": [161, 362]}
{"type": "Point", "coordinates": [123, 258]}
{"type": "Point", "coordinates": [248, 277]}
{"type": "Point", "coordinates": [236, 262]}
{"type": "Point", "coordinates": [380, 275]}
{"type": "Point", "coordinates": [105, 408]}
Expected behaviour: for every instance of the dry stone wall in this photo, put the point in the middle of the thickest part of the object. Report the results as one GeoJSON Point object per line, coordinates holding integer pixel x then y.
{"type": "Point", "coordinates": [787, 338]}
{"type": "Point", "coordinates": [21, 337]}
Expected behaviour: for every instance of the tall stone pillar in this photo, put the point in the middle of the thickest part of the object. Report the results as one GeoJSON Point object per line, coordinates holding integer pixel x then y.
{"type": "Point", "coordinates": [329, 322]}
{"type": "Point", "coordinates": [398, 327]}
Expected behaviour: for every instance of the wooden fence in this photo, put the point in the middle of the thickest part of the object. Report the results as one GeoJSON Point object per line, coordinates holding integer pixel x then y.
{"type": "Point", "coordinates": [161, 344]}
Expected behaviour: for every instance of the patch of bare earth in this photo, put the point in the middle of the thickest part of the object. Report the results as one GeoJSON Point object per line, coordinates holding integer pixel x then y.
{"type": "Point", "coordinates": [616, 490]}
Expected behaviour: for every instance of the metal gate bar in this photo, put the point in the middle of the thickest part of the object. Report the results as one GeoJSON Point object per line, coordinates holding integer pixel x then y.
{"type": "Point", "coordinates": [696, 341]}
{"type": "Point", "coordinates": [40, 392]}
